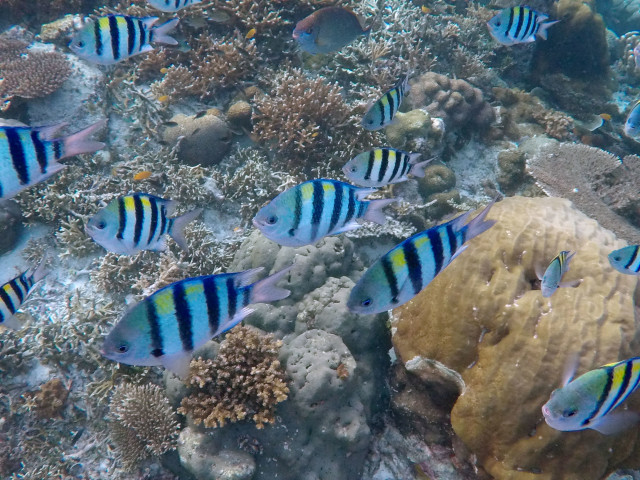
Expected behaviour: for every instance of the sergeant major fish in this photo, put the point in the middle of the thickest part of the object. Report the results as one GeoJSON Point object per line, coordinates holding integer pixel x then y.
{"type": "Point", "coordinates": [15, 292]}
{"type": "Point", "coordinates": [166, 327]}
{"type": "Point", "coordinates": [551, 279]}
{"type": "Point", "coordinates": [383, 166]}
{"type": "Point", "coordinates": [381, 113]}
{"type": "Point", "coordinates": [632, 124]}
{"type": "Point", "coordinates": [402, 272]}
{"type": "Point", "coordinates": [328, 30]}
{"type": "Point", "coordinates": [171, 5]}
{"type": "Point", "coordinates": [30, 155]}
{"type": "Point", "coordinates": [626, 260]}
{"type": "Point", "coordinates": [138, 222]}
{"type": "Point", "coordinates": [589, 400]}
{"type": "Point", "coordinates": [113, 38]}
{"type": "Point", "coordinates": [519, 25]}
{"type": "Point", "coordinates": [304, 214]}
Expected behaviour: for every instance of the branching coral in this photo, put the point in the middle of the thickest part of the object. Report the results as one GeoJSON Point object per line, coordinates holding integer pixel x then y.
{"type": "Point", "coordinates": [142, 422]}
{"type": "Point", "coordinates": [245, 380]}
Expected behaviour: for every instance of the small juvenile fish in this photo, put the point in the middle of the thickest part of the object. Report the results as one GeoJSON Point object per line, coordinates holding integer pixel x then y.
{"type": "Point", "coordinates": [402, 272]}
{"type": "Point", "coordinates": [605, 116]}
{"type": "Point", "coordinates": [138, 222]}
{"type": "Point", "coordinates": [29, 155]}
{"type": "Point", "coordinates": [383, 166]}
{"type": "Point", "coordinates": [142, 176]}
{"type": "Point", "coordinates": [519, 25]}
{"type": "Point", "coordinates": [15, 292]}
{"type": "Point", "coordinates": [113, 38]}
{"type": "Point", "coordinates": [626, 260]}
{"type": "Point", "coordinates": [166, 327]}
{"type": "Point", "coordinates": [632, 125]}
{"type": "Point", "coordinates": [307, 212]}
{"type": "Point", "coordinates": [588, 401]}
{"type": "Point", "coordinates": [551, 279]}
{"type": "Point", "coordinates": [328, 30]}
{"type": "Point", "coordinates": [250, 34]}
{"type": "Point", "coordinates": [381, 113]}
{"type": "Point", "coordinates": [171, 5]}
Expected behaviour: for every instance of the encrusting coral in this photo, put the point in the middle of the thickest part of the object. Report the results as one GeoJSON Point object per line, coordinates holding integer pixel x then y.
{"type": "Point", "coordinates": [245, 380]}
{"type": "Point", "coordinates": [510, 346]}
{"type": "Point", "coordinates": [50, 400]}
{"type": "Point", "coordinates": [142, 423]}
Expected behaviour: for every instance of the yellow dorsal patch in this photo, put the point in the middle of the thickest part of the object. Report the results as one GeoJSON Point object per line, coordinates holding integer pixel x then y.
{"type": "Point", "coordinates": [307, 191]}
{"type": "Point", "coordinates": [618, 375]}
{"type": "Point", "coordinates": [194, 288]}
{"type": "Point", "coordinates": [103, 23]}
{"type": "Point", "coordinates": [129, 204]}
{"type": "Point", "coordinates": [121, 22]}
{"type": "Point", "coordinates": [145, 202]}
{"type": "Point", "coordinates": [384, 100]}
{"type": "Point", "coordinates": [164, 303]}
{"type": "Point", "coordinates": [7, 288]}
{"type": "Point", "coordinates": [377, 156]}
{"type": "Point", "coordinates": [420, 241]}
{"type": "Point", "coordinates": [398, 260]}
{"type": "Point", "coordinates": [328, 187]}
{"type": "Point", "coordinates": [3, 135]}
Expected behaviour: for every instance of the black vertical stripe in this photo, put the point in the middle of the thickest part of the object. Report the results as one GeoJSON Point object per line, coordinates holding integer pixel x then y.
{"type": "Point", "coordinates": [6, 299]}
{"type": "Point", "coordinates": [633, 257]}
{"type": "Point", "coordinates": [392, 282]}
{"type": "Point", "coordinates": [232, 298]}
{"type": "Point", "coordinates": [177, 4]}
{"type": "Point", "coordinates": [623, 386]}
{"type": "Point", "coordinates": [131, 34]}
{"type": "Point", "coordinates": [163, 220]}
{"type": "Point", "coordinates": [530, 23]}
{"type": "Point", "coordinates": [520, 22]}
{"type": "Point", "coordinates": [213, 302]}
{"type": "Point", "coordinates": [384, 164]}
{"type": "Point", "coordinates": [115, 36]}
{"type": "Point", "coordinates": [183, 316]}
{"type": "Point", "coordinates": [122, 214]}
{"type": "Point", "coordinates": [381, 107]}
{"type": "Point", "coordinates": [297, 212]}
{"type": "Point", "coordinates": [351, 207]}
{"type": "Point", "coordinates": [372, 159]}
{"type": "Point", "coordinates": [98, 37]}
{"type": "Point", "coordinates": [337, 207]}
{"type": "Point", "coordinates": [41, 153]}
{"type": "Point", "coordinates": [436, 249]}
{"type": "Point", "coordinates": [26, 283]}
{"type": "Point", "coordinates": [153, 224]}
{"type": "Point", "coordinates": [246, 295]}
{"type": "Point", "coordinates": [139, 212]}
{"type": "Point", "coordinates": [635, 384]}
{"type": "Point", "coordinates": [157, 346]}
{"type": "Point", "coordinates": [392, 103]}
{"type": "Point", "coordinates": [57, 149]}
{"type": "Point", "coordinates": [317, 208]}
{"type": "Point", "coordinates": [406, 166]}
{"type": "Point", "coordinates": [413, 265]}
{"type": "Point", "coordinates": [602, 398]}
{"type": "Point", "coordinates": [142, 33]}
{"type": "Point", "coordinates": [1, 317]}
{"type": "Point", "coordinates": [508, 30]}
{"type": "Point", "coordinates": [400, 157]}
{"type": "Point", "coordinates": [17, 290]}
{"type": "Point", "coordinates": [453, 241]}
{"type": "Point", "coordinates": [17, 155]}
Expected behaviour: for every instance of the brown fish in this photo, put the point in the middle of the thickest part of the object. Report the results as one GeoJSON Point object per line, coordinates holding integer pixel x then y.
{"type": "Point", "coordinates": [328, 30]}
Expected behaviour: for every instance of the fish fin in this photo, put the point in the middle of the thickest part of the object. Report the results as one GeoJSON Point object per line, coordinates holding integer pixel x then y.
{"type": "Point", "coordinates": [570, 368]}
{"type": "Point", "coordinates": [405, 83]}
{"type": "Point", "coordinates": [12, 323]}
{"type": "Point", "coordinates": [245, 278]}
{"type": "Point", "coordinates": [417, 169]}
{"type": "Point", "coordinates": [146, 48]}
{"type": "Point", "coordinates": [233, 321]}
{"type": "Point", "coordinates": [160, 246]}
{"type": "Point", "coordinates": [48, 133]}
{"type": "Point", "coordinates": [79, 142]}
{"type": "Point", "coordinates": [542, 31]}
{"type": "Point", "coordinates": [178, 225]}
{"type": "Point", "coordinates": [478, 225]}
{"type": "Point", "coordinates": [265, 290]}
{"type": "Point", "coordinates": [616, 422]}
{"type": "Point", "coordinates": [149, 21]}
{"type": "Point", "coordinates": [40, 271]}
{"type": "Point", "coordinates": [374, 211]}
{"type": "Point", "coordinates": [52, 168]}
{"type": "Point", "coordinates": [170, 205]}
{"type": "Point", "coordinates": [567, 260]}
{"type": "Point", "coordinates": [570, 284]}
{"type": "Point", "coordinates": [159, 33]}
{"type": "Point", "coordinates": [348, 227]}
{"type": "Point", "coordinates": [458, 252]}
{"type": "Point", "coordinates": [539, 269]}
{"type": "Point", "coordinates": [361, 193]}
{"type": "Point", "coordinates": [178, 364]}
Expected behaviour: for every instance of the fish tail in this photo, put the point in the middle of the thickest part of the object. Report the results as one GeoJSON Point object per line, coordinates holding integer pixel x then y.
{"type": "Point", "coordinates": [79, 142]}
{"type": "Point", "coordinates": [159, 33]}
{"type": "Point", "coordinates": [405, 83]}
{"type": "Point", "coordinates": [266, 290]}
{"type": "Point", "coordinates": [417, 169]}
{"type": "Point", "coordinates": [542, 31]}
{"type": "Point", "coordinates": [48, 133]}
{"type": "Point", "coordinates": [39, 272]}
{"type": "Point", "coordinates": [179, 224]}
{"type": "Point", "coordinates": [374, 211]}
{"type": "Point", "coordinates": [479, 224]}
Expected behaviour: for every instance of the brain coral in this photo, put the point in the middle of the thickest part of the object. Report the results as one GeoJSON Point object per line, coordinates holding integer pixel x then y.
{"type": "Point", "coordinates": [511, 346]}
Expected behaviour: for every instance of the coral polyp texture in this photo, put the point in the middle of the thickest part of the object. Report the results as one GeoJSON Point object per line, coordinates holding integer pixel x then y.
{"type": "Point", "coordinates": [510, 346]}
{"type": "Point", "coordinates": [244, 381]}
{"type": "Point", "coordinates": [142, 423]}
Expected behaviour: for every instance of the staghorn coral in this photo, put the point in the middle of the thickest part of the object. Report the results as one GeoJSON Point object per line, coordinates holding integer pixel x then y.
{"type": "Point", "coordinates": [245, 380]}
{"type": "Point", "coordinates": [501, 333]}
{"type": "Point", "coordinates": [142, 422]}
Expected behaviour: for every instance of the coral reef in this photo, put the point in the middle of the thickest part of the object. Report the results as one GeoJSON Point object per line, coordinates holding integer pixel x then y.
{"type": "Point", "coordinates": [50, 399]}
{"type": "Point", "coordinates": [11, 221]}
{"type": "Point", "coordinates": [627, 63]}
{"type": "Point", "coordinates": [245, 380]}
{"type": "Point", "coordinates": [415, 131]}
{"type": "Point", "coordinates": [142, 423]}
{"type": "Point", "coordinates": [621, 16]}
{"type": "Point", "coordinates": [504, 334]}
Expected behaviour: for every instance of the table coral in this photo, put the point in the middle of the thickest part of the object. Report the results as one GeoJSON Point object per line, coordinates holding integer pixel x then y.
{"type": "Point", "coordinates": [511, 346]}
{"type": "Point", "coordinates": [245, 380]}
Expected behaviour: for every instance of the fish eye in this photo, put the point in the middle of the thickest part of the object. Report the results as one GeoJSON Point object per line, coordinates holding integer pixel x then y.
{"type": "Point", "coordinates": [124, 348]}
{"type": "Point", "coordinates": [80, 44]}
{"type": "Point", "coordinates": [308, 31]}
{"type": "Point", "coordinates": [569, 413]}
{"type": "Point", "coordinates": [353, 169]}
{"type": "Point", "coordinates": [370, 121]}
{"type": "Point", "coordinates": [366, 302]}
{"type": "Point", "coordinates": [101, 225]}
{"type": "Point", "coordinates": [617, 259]}
{"type": "Point", "coordinates": [498, 23]}
{"type": "Point", "coordinates": [272, 220]}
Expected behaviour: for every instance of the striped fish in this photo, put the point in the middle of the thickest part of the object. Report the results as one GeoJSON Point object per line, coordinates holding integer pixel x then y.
{"type": "Point", "coordinates": [626, 260]}
{"type": "Point", "coordinates": [113, 38]}
{"type": "Point", "coordinates": [166, 327]}
{"type": "Point", "coordinates": [29, 155]}
{"type": "Point", "coordinates": [550, 280]}
{"type": "Point", "coordinates": [381, 113]}
{"type": "Point", "coordinates": [307, 212]}
{"type": "Point", "coordinates": [589, 400]}
{"type": "Point", "coordinates": [138, 222]}
{"type": "Point", "coordinates": [519, 25]}
{"type": "Point", "coordinates": [402, 272]}
{"type": "Point", "coordinates": [383, 166]}
{"type": "Point", "coordinates": [171, 5]}
{"type": "Point", "coordinates": [15, 292]}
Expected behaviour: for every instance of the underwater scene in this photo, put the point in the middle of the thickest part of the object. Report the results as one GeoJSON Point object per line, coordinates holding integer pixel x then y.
{"type": "Point", "coordinates": [319, 239]}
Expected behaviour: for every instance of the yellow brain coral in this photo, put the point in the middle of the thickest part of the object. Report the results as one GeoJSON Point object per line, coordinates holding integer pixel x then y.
{"type": "Point", "coordinates": [485, 318]}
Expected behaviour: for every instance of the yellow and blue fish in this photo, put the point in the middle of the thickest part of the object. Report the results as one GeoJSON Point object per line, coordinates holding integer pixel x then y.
{"type": "Point", "coordinates": [552, 277]}
{"type": "Point", "coordinates": [626, 260]}
{"type": "Point", "coordinates": [381, 113]}
{"type": "Point", "coordinates": [589, 400]}
{"type": "Point", "coordinates": [519, 25]}
{"type": "Point", "coordinates": [171, 5]}
{"type": "Point", "coordinates": [383, 166]}
{"type": "Point", "coordinates": [14, 293]}
{"type": "Point", "coordinates": [402, 272]}
{"type": "Point", "coordinates": [166, 327]}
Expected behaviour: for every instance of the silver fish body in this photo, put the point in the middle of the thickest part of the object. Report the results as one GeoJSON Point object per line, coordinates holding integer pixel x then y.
{"type": "Point", "coordinates": [552, 277]}
{"type": "Point", "coordinates": [14, 293]}
{"type": "Point", "coordinates": [171, 5]}
{"type": "Point", "coordinates": [382, 112]}
{"type": "Point", "coordinates": [632, 124]}
{"type": "Point", "coordinates": [519, 25]}
{"type": "Point", "coordinates": [626, 260]}
{"type": "Point", "coordinates": [383, 166]}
